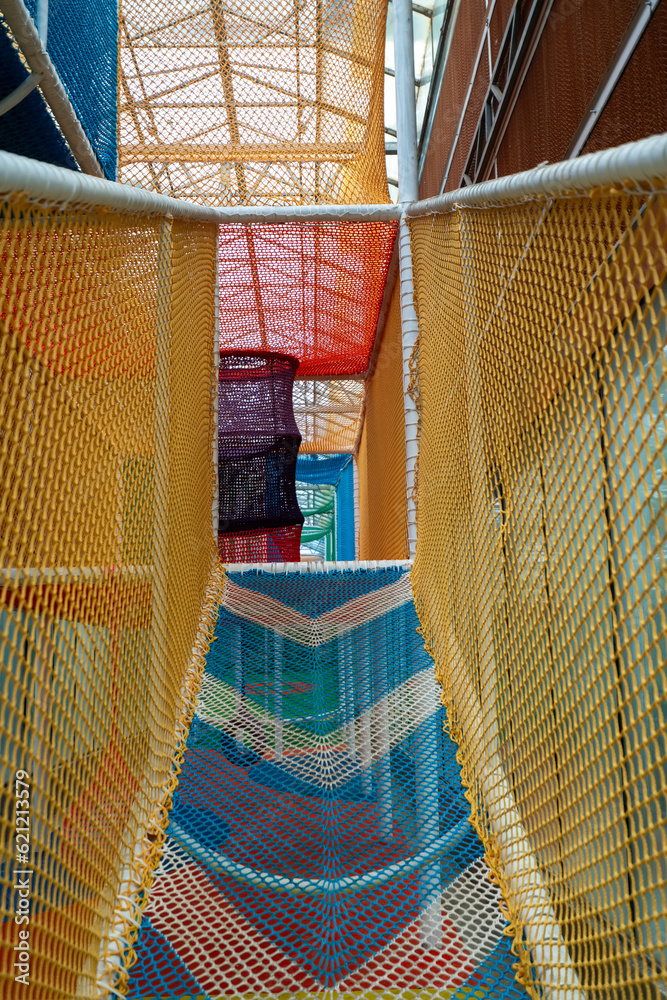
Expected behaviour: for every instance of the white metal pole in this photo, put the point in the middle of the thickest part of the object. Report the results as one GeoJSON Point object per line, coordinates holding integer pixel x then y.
{"type": "Point", "coordinates": [42, 20]}
{"type": "Point", "coordinates": [408, 191]}
{"type": "Point", "coordinates": [216, 365]}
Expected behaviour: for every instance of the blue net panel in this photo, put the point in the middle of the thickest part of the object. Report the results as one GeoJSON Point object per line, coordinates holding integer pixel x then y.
{"type": "Point", "coordinates": [336, 471]}
{"type": "Point", "coordinates": [82, 41]}
{"type": "Point", "coordinates": [320, 843]}
{"type": "Point", "coordinates": [345, 538]}
{"type": "Point", "coordinates": [28, 129]}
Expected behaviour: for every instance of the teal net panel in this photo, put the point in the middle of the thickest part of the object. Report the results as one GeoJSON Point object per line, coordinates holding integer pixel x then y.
{"type": "Point", "coordinates": [336, 471]}
{"type": "Point", "coordinates": [319, 844]}
{"type": "Point", "coordinates": [318, 506]}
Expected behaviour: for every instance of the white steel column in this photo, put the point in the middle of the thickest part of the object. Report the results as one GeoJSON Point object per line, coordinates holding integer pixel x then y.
{"type": "Point", "coordinates": [408, 191]}
{"type": "Point", "coordinates": [216, 365]}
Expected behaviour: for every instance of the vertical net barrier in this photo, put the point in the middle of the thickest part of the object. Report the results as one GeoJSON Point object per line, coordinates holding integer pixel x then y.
{"type": "Point", "coordinates": [335, 470]}
{"type": "Point", "coordinates": [383, 506]}
{"type": "Point", "coordinates": [540, 569]}
{"type": "Point", "coordinates": [328, 414]}
{"type": "Point", "coordinates": [254, 104]}
{"type": "Point", "coordinates": [310, 290]}
{"type": "Point", "coordinates": [320, 845]}
{"type": "Point", "coordinates": [318, 506]}
{"type": "Point", "coordinates": [106, 358]}
{"type": "Point", "coordinates": [82, 41]}
{"type": "Point", "coordinates": [345, 519]}
{"type": "Point", "coordinates": [258, 442]}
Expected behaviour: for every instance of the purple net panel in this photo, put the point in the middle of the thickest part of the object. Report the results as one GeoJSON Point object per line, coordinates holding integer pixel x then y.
{"type": "Point", "coordinates": [258, 444]}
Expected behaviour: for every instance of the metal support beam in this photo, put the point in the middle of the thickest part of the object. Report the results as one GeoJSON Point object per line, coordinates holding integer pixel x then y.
{"type": "Point", "coordinates": [514, 57]}
{"type": "Point", "coordinates": [408, 191]}
{"type": "Point", "coordinates": [437, 76]}
{"type": "Point", "coordinates": [41, 181]}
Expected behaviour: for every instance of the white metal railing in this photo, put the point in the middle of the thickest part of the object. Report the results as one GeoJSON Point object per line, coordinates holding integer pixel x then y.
{"type": "Point", "coordinates": [634, 166]}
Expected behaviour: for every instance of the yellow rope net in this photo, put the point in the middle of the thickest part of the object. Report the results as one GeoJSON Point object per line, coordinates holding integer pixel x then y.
{"type": "Point", "coordinates": [258, 102]}
{"type": "Point", "coordinates": [383, 509]}
{"type": "Point", "coordinates": [328, 414]}
{"type": "Point", "coordinates": [106, 552]}
{"type": "Point", "coordinates": [540, 575]}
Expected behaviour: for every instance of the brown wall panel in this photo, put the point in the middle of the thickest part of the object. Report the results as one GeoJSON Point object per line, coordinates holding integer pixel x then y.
{"type": "Point", "coordinates": [475, 104]}
{"type": "Point", "coordinates": [499, 19]}
{"type": "Point", "coordinates": [576, 46]}
{"type": "Point", "coordinates": [638, 106]}
{"type": "Point", "coordinates": [466, 40]}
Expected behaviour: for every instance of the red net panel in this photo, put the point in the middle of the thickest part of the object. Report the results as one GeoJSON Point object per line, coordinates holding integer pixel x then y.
{"type": "Point", "coordinates": [278, 545]}
{"type": "Point", "coordinates": [310, 290]}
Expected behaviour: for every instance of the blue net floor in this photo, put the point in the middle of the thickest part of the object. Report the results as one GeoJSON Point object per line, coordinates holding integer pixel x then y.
{"type": "Point", "coordinates": [319, 844]}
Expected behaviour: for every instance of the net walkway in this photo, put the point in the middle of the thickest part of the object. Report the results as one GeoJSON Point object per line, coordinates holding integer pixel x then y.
{"type": "Point", "coordinates": [319, 844]}
{"type": "Point", "coordinates": [539, 582]}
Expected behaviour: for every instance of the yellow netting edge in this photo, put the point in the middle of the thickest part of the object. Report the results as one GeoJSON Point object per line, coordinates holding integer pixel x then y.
{"type": "Point", "coordinates": [415, 396]}
{"type": "Point", "coordinates": [514, 928]}
{"type": "Point", "coordinates": [148, 859]}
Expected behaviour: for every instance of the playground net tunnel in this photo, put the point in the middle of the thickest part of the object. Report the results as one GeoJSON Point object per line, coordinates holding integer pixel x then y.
{"type": "Point", "coordinates": [242, 782]}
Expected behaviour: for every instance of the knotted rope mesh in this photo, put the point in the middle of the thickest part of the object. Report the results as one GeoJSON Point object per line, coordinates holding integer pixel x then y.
{"type": "Point", "coordinates": [320, 845]}
{"type": "Point", "coordinates": [258, 444]}
{"type": "Point", "coordinates": [312, 290]}
{"type": "Point", "coordinates": [107, 328]}
{"type": "Point", "coordinates": [254, 104]}
{"type": "Point", "coordinates": [541, 564]}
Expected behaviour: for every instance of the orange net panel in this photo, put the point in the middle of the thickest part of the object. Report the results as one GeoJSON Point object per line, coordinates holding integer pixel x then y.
{"type": "Point", "coordinates": [310, 290]}
{"type": "Point", "coordinates": [383, 506]}
{"type": "Point", "coordinates": [257, 103]}
{"type": "Point", "coordinates": [541, 565]}
{"type": "Point", "coordinates": [106, 548]}
{"type": "Point", "coordinates": [328, 414]}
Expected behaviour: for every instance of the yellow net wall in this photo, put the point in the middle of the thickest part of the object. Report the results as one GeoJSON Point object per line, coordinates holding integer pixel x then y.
{"type": "Point", "coordinates": [383, 525]}
{"type": "Point", "coordinates": [106, 332]}
{"type": "Point", "coordinates": [259, 103]}
{"type": "Point", "coordinates": [540, 570]}
{"type": "Point", "coordinates": [328, 414]}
